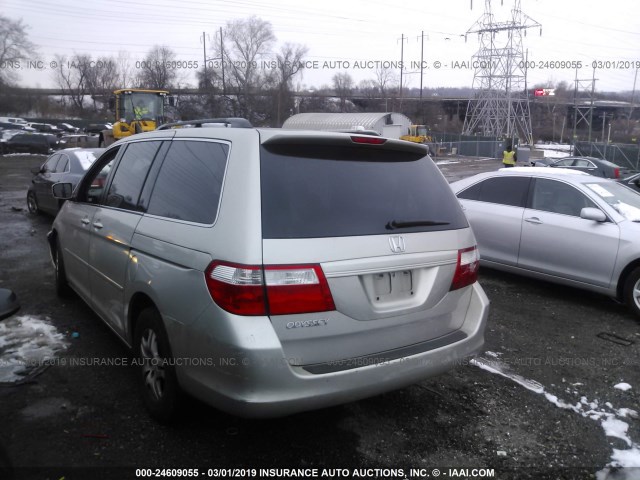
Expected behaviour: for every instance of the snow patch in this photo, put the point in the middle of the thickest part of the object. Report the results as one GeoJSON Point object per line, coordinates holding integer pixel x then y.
{"type": "Point", "coordinates": [609, 417]}
{"type": "Point", "coordinates": [623, 386]}
{"type": "Point", "coordinates": [26, 343]}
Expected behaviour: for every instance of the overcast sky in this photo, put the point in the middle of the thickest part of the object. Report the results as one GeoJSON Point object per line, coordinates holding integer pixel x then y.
{"type": "Point", "coordinates": [346, 31]}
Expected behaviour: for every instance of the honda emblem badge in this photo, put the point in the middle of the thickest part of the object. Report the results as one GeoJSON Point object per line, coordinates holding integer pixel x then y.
{"type": "Point", "coordinates": [397, 244]}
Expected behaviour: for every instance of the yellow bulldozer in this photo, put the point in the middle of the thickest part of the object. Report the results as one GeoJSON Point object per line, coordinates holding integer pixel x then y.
{"type": "Point", "coordinates": [417, 134]}
{"type": "Point", "coordinates": [136, 110]}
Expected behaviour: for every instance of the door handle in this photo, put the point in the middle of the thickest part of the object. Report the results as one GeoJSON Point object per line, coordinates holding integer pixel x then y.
{"type": "Point", "coordinates": [97, 225]}
{"type": "Point", "coordinates": [85, 221]}
{"type": "Point", "coordinates": [535, 220]}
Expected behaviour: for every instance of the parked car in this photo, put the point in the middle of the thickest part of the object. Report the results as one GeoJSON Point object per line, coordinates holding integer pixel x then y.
{"type": "Point", "coordinates": [32, 143]}
{"type": "Point", "coordinates": [557, 225]}
{"type": "Point", "coordinates": [67, 127]}
{"type": "Point", "coordinates": [13, 120]}
{"type": "Point", "coordinates": [590, 165]}
{"type": "Point", "coordinates": [68, 165]}
{"type": "Point", "coordinates": [275, 271]}
{"type": "Point", "coordinates": [632, 182]}
{"type": "Point", "coordinates": [44, 127]}
{"type": "Point", "coordinates": [16, 126]}
{"type": "Point", "coordinates": [5, 135]}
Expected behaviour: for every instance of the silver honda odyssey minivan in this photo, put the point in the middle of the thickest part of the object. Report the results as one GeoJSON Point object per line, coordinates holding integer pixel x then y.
{"type": "Point", "coordinates": [267, 271]}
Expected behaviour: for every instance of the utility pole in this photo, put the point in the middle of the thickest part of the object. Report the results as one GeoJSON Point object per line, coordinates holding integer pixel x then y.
{"type": "Point", "coordinates": [401, 65]}
{"type": "Point", "coordinates": [500, 105]}
{"type": "Point", "coordinates": [224, 88]}
{"type": "Point", "coordinates": [204, 52]}
{"type": "Point", "coordinates": [633, 98]}
{"type": "Point", "coordinates": [421, 62]}
{"type": "Point", "coordinates": [582, 113]}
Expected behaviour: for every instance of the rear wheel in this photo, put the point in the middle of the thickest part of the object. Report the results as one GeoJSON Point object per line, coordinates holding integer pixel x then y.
{"type": "Point", "coordinates": [632, 291]}
{"type": "Point", "coordinates": [157, 372]}
{"type": "Point", "coordinates": [32, 203]}
{"type": "Point", "coordinates": [62, 286]}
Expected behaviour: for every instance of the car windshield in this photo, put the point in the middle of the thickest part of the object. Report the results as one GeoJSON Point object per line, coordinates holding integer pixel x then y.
{"type": "Point", "coordinates": [624, 200]}
{"type": "Point", "coordinates": [137, 105]}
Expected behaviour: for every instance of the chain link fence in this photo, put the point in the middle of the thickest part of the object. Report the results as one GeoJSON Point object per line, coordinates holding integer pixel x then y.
{"type": "Point", "coordinates": [467, 145]}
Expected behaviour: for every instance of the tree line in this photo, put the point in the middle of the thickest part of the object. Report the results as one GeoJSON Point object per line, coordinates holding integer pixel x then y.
{"type": "Point", "coordinates": [231, 81]}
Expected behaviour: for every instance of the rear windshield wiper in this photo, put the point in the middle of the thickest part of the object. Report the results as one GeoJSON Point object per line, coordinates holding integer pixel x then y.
{"type": "Point", "coordinates": [393, 224]}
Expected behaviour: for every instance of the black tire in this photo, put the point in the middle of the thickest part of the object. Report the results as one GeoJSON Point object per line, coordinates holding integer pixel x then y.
{"type": "Point", "coordinates": [632, 291]}
{"type": "Point", "coordinates": [62, 285]}
{"type": "Point", "coordinates": [157, 374]}
{"type": "Point", "coordinates": [32, 203]}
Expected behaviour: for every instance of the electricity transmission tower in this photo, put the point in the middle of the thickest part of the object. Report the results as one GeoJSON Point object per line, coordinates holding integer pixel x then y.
{"type": "Point", "coordinates": [500, 107]}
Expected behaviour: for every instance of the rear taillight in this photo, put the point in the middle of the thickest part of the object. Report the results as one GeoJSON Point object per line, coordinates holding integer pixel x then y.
{"type": "Point", "coordinates": [466, 268]}
{"type": "Point", "coordinates": [289, 289]}
{"type": "Point", "coordinates": [616, 173]}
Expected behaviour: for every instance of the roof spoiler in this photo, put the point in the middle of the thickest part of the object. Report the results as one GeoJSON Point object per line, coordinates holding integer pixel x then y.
{"type": "Point", "coordinates": [232, 122]}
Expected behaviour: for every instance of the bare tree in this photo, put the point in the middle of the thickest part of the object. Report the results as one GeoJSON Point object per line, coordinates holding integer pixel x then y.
{"type": "Point", "coordinates": [125, 75]}
{"type": "Point", "coordinates": [102, 77]}
{"type": "Point", "coordinates": [14, 47]}
{"type": "Point", "coordinates": [156, 69]}
{"type": "Point", "coordinates": [244, 44]}
{"type": "Point", "coordinates": [342, 84]}
{"type": "Point", "coordinates": [289, 64]}
{"type": "Point", "coordinates": [71, 76]}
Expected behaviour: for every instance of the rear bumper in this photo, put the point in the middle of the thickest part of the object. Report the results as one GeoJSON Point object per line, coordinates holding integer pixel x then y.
{"type": "Point", "coordinates": [252, 378]}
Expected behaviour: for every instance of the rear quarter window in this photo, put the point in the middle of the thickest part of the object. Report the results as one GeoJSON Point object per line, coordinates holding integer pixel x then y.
{"type": "Point", "coordinates": [511, 191]}
{"type": "Point", "coordinates": [315, 191]}
{"type": "Point", "coordinates": [189, 182]}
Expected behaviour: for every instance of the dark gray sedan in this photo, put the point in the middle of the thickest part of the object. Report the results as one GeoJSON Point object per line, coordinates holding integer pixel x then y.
{"type": "Point", "coordinates": [590, 165]}
{"type": "Point", "coordinates": [68, 165]}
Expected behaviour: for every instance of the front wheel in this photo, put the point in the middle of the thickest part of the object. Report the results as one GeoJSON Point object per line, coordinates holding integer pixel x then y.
{"type": "Point", "coordinates": [632, 291]}
{"type": "Point", "coordinates": [157, 372]}
{"type": "Point", "coordinates": [32, 203]}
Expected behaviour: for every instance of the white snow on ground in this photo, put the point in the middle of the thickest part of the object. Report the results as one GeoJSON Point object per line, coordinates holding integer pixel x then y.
{"type": "Point", "coordinates": [26, 342]}
{"type": "Point", "coordinates": [623, 386]}
{"type": "Point", "coordinates": [608, 417]}
{"type": "Point", "coordinates": [554, 151]}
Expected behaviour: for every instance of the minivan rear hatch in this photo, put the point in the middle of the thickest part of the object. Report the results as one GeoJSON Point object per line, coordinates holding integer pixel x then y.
{"type": "Point", "coordinates": [374, 225]}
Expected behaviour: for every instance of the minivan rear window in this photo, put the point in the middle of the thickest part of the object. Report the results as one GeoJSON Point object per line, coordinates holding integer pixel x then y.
{"type": "Point", "coordinates": [315, 191]}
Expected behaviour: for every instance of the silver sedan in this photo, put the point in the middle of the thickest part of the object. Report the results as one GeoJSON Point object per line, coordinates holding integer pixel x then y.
{"type": "Point", "coordinates": [593, 224]}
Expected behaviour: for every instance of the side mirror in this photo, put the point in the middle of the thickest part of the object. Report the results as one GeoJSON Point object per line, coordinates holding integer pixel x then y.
{"type": "Point", "coordinates": [62, 191]}
{"type": "Point", "coordinates": [595, 214]}
{"type": "Point", "coordinates": [172, 100]}
{"type": "Point", "coordinates": [8, 303]}
{"type": "Point", "coordinates": [112, 103]}
{"type": "Point", "coordinates": [37, 170]}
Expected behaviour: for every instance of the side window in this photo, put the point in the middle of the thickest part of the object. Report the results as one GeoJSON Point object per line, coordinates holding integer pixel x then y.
{"type": "Point", "coordinates": [558, 197]}
{"type": "Point", "coordinates": [50, 165]}
{"type": "Point", "coordinates": [130, 175]}
{"type": "Point", "coordinates": [509, 190]}
{"type": "Point", "coordinates": [581, 162]}
{"type": "Point", "coordinates": [564, 163]}
{"type": "Point", "coordinates": [63, 164]}
{"type": "Point", "coordinates": [92, 186]}
{"type": "Point", "coordinates": [189, 183]}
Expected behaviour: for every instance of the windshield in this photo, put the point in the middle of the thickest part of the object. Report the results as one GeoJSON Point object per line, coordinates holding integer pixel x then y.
{"type": "Point", "coordinates": [141, 106]}
{"type": "Point", "coordinates": [624, 200]}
